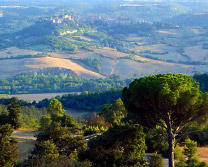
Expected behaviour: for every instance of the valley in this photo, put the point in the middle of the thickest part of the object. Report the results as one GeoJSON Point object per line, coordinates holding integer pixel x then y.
{"type": "Point", "coordinates": [103, 83]}
{"type": "Point", "coordinates": [171, 50]}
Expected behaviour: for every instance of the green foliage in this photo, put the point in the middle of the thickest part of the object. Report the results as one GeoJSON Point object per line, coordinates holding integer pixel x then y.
{"type": "Point", "coordinates": [121, 145]}
{"type": "Point", "coordinates": [193, 163]}
{"type": "Point", "coordinates": [156, 161]}
{"type": "Point", "coordinates": [14, 112]}
{"type": "Point", "coordinates": [58, 43]}
{"type": "Point", "coordinates": [8, 145]}
{"type": "Point", "coordinates": [3, 110]}
{"type": "Point", "coordinates": [94, 63]}
{"type": "Point", "coordinates": [190, 149]}
{"type": "Point", "coordinates": [104, 39]}
{"type": "Point", "coordinates": [57, 81]}
{"type": "Point", "coordinates": [62, 137]}
{"type": "Point", "coordinates": [178, 153]}
{"type": "Point", "coordinates": [96, 120]}
{"type": "Point", "coordinates": [203, 81]}
{"type": "Point", "coordinates": [39, 29]}
{"type": "Point", "coordinates": [167, 91]}
{"type": "Point", "coordinates": [30, 117]}
{"type": "Point", "coordinates": [61, 161]}
{"type": "Point", "coordinates": [56, 144]}
{"type": "Point", "coordinates": [68, 121]}
{"type": "Point", "coordinates": [55, 108]}
{"type": "Point", "coordinates": [197, 133]}
{"type": "Point", "coordinates": [4, 119]}
{"type": "Point", "coordinates": [114, 112]}
{"type": "Point", "coordinates": [90, 101]}
{"type": "Point", "coordinates": [156, 142]}
{"type": "Point", "coordinates": [190, 152]}
{"type": "Point", "coordinates": [89, 130]}
{"type": "Point", "coordinates": [171, 101]}
{"type": "Point", "coordinates": [181, 163]}
{"type": "Point", "coordinates": [96, 124]}
{"type": "Point", "coordinates": [45, 122]}
{"type": "Point", "coordinates": [46, 150]}
{"type": "Point", "coordinates": [203, 164]}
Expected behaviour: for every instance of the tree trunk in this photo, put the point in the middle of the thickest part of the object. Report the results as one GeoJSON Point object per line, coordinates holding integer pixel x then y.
{"type": "Point", "coordinates": [171, 142]}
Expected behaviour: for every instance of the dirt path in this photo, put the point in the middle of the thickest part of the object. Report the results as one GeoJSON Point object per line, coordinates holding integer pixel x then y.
{"type": "Point", "coordinates": [114, 66]}
{"type": "Point", "coordinates": [24, 135]}
{"type": "Point", "coordinates": [26, 143]}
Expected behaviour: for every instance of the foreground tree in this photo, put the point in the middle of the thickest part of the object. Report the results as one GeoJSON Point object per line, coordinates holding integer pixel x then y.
{"type": "Point", "coordinates": [66, 143]}
{"type": "Point", "coordinates": [14, 109]}
{"type": "Point", "coordinates": [45, 150]}
{"type": "Point", "coordinates": [45, 122]}
{"type": "Point", "coordinates": [169, 100]}
{"type": "Point", "coordinates": [55, 108]}
{"type": "Point", "coordinates": [114, 112]}
{"type": "Point", "coordinates": [190, 152]}
{"type": "Point", "coordinates": [122, 145]}
{"type": "Point", "coordinates": [8, 146]}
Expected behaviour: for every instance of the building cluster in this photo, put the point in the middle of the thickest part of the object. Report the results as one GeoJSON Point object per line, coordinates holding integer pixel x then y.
{"type": "Point", "coordinates": [62, 21]}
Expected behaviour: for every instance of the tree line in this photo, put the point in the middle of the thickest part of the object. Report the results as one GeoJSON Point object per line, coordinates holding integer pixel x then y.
{"type": "Point", "coordinates": [61, 82]}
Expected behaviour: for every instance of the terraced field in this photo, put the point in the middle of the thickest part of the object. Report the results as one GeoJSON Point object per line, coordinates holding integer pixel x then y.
{"type": "Point", "coordinates": [166, 51]}
{"type": "Point", "coordinates": [15, 52]}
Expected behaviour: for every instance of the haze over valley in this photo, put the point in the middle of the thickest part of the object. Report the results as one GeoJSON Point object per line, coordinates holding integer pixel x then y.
{"type": "Point", "coordinates": [103, 83]}
{"type": "Point", "coordinates": [125, 39]}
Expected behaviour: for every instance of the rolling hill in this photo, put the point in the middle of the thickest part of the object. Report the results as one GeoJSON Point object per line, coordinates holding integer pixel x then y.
{"type": "Point", "coordinates": [110, 64]}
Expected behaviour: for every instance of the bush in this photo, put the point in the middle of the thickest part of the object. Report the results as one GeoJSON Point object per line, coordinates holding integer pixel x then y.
{"type": "Point", "coordinates": [182, 163]}
{"type": "Point", "coordinates": [121, 145]}
{"type": "Point", "coordinates": [190, 152]}
{"type": "Point", "coordinates": [190, 149]}
{"type": "Point", "coordinates": [177, 153]}
{"type": "Point", "coordinates": [192, 163]}
{"type": "Point", "coordinates": [156, 144]}
{"type": "Point", "coordinates": [91, 130]}
{"type": "Point", "coordinates": [203, 164]}
{"type": "Point", "coordinates": [45, 122]}
{"type": "Point", "coordinates": [156, 161]}
{"type": "Point", "coordinates": [62, 161]}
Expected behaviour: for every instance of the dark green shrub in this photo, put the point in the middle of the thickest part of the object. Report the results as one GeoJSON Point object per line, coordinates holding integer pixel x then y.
{"type": "Point", "coordinates": [182, 163]}
{"type": "Point", "coordinates": [122, 145]}
{"type": "Point", "coordinates": [45, 122]}
{"type": "Point", "coordinates": [91, 130]}
{"type": "Point", "coordinates": [177, 153]}
{"type": "Point", "coordinates": [203, 164]}
{"type": "Point", "coordinates": [156, 161]}
{"type": "Point", "coordinates": [190, 152]}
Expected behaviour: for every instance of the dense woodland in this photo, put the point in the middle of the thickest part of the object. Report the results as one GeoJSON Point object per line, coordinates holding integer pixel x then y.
{"type": "Point", "coordinates": [56, 142]}
{"type": "Point", "coordinates": [62, 82]}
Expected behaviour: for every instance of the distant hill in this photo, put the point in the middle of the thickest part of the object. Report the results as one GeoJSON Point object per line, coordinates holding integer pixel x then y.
{"type": "Point", "coordinates": [195, 19]}
{"type": "Point", "coordinates": [40, 28]}
{"type": "Point", "coordinates": [110, 64]}
{"type": "Point", "coordinates": [12, 67]}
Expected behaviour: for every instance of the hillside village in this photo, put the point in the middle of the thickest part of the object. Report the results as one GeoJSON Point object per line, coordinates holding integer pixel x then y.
{"type": "Point", "coordinates": [103, 83]}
